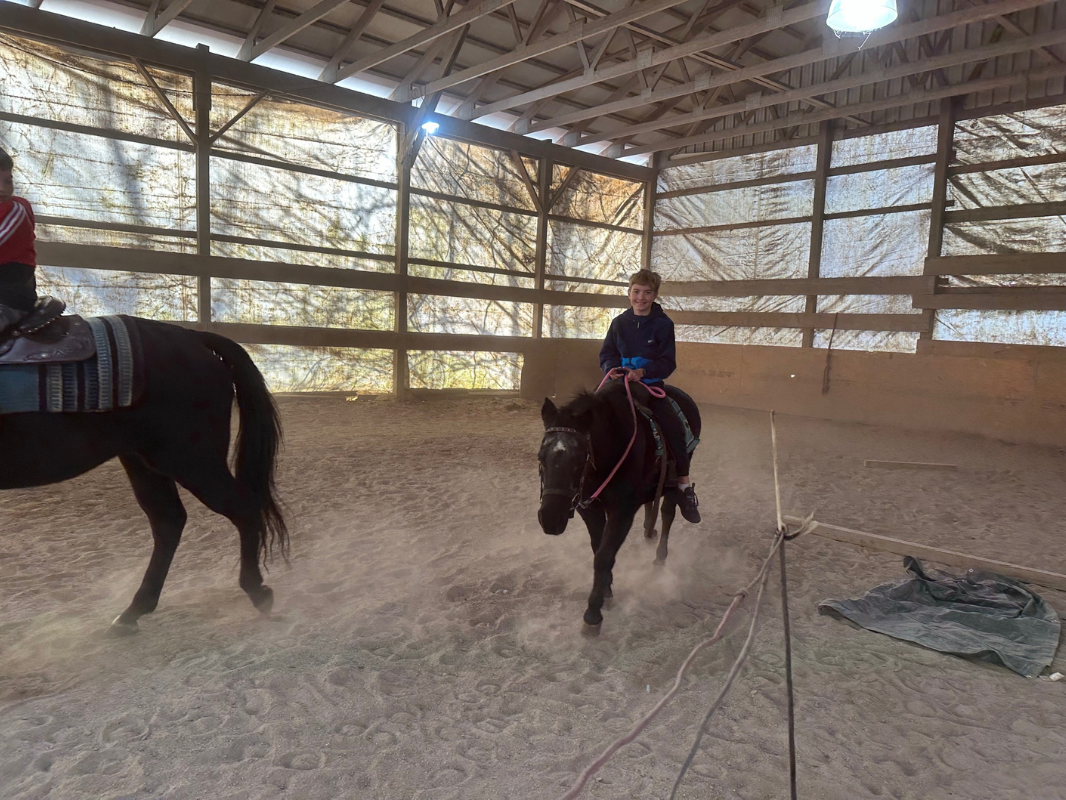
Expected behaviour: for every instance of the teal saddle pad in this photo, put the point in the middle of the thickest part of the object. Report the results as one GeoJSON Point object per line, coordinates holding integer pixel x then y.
{"type": "Point", "coordinates": [111, 379]}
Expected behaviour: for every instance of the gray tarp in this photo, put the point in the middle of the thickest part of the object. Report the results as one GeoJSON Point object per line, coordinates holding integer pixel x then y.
{"type": "Point", "coordinates": [980, 615]}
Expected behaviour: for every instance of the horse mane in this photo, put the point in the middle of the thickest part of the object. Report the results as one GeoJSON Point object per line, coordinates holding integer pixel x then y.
{"type": "Point", "coordinates": [611, 399]}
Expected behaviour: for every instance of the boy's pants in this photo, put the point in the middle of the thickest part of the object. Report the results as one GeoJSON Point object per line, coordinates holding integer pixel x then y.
{"type": "Point", "coordinates": [674, 431]}
{"type": "Point", "coordinates": [18, 292]}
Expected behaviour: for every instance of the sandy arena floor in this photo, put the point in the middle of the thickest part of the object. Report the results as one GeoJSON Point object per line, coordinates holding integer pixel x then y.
{"type": "Point", "coordinates": [426, 641]}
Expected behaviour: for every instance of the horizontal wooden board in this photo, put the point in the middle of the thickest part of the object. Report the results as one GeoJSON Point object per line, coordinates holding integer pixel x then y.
{"type": "Point", "coordinates": [1019, 211]}
{"type": "Point", "coordinates": [1005, 299]}
{"type": "Point", "coordinates": [1006, 264]}
{"type": "Point", "coordinates": [915, 323]}
{"type": "Point", "coordinates": [800, 286]}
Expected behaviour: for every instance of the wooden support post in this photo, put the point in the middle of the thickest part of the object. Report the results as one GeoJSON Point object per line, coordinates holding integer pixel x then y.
{"type": "Point", "coordinates": [821, 178]}
{"type": "Point", "coordinates": [650, 193]}
{"type": "Point", "coordinates": [544, 185]}
{"type": "Point", "coordinates": [886, 544]}
{"type": "Point", "coordinates": [944, 156]}
{"type": "Point", "coordinates": [202, 99]}
{"type": "Point", "coordinates": [400, 376]}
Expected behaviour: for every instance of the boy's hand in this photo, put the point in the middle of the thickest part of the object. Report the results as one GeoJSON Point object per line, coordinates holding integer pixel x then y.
{"type": "Point", "coordinates": [636, 374]}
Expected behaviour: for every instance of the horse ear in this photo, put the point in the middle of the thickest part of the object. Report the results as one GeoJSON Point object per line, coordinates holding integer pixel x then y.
{"type": "Point", "coordinates": [548, 412]}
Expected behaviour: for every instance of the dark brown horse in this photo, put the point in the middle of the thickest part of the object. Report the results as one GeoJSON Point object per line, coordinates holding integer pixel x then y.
{"type": "Point", "coordinates": [583, 441]}
{"type": "Point", "coordinates": [177, 433]}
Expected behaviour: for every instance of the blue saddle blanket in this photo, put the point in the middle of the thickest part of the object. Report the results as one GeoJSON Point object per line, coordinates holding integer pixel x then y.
{"type": "Point", "coordinates": [101, 383]}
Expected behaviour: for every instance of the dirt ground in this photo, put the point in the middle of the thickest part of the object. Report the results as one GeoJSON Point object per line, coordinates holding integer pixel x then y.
{"type": "Point", "coordinates": [426, 641]}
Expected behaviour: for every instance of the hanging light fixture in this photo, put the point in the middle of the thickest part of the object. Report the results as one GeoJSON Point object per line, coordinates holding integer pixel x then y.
{"type": "Point", "coordinates": [860, 16]}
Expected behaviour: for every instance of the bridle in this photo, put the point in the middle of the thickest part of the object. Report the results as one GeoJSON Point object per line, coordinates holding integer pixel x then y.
{"type": "Point", "coordinates": [573, 494]}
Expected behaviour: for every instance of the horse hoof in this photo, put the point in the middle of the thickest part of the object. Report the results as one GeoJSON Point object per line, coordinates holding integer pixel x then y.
{"type": "Point", "coordinates": [263, 599]}
{"type": "Point", "coordinates": [591, 630]}
{"type": "Point", "coordinates": [120, 629]}
{"type": "Point", "coordinates": [593, 618]}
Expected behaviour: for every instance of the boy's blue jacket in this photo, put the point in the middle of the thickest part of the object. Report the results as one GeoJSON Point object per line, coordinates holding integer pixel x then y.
{"type": "Point", "coordinates": [637, 342]}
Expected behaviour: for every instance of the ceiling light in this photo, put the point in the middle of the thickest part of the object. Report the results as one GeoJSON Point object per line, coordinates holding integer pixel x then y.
{"type": "Point", "coordinates": [860, 16]}
{"type": "Point", "coordinates": [430, 127]}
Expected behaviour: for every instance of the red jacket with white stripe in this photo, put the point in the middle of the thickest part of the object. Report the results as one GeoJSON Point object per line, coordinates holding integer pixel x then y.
{"type": "Point", "coordinates": [17, 232]}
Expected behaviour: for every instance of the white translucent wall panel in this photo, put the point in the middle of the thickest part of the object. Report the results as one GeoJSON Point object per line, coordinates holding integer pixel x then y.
{"type": "Point", "coordinates": [578, 322]}
{"type": "Point", "coordinates": [297, 133]}
{"type": "Point", "coordinates": [599, 198]}
{"type": "Point", "coordinates": [464, 370]}
{"type": "Point", "coordinates": [285, 255]}
{"type": "Point", "coordinates": [884, 146]}
{"type": "Point", "coordinates": [465, 234]}
{"type": "Point", "coordinates": [1034, 235]}
{"type": "Point", "coordinates": [884, 188]}
{"type": "Point", "coordinates": [435, 314]}
{"type": "Point", "coordinates": [877, 341]}
{"type": "Point", "coordinates": [259, 202]}
{"type": "Point", "coordinates": [323, 369]}
{"type": "Point", "coordinates": [747, 204]}
{"type": "Point", "coordinates": [469, 276]}
{"type": "Point", "coordinates": [472, 172]}
{"type": "Point", "coordinates": [54, 84]}
{"type": "Point", "coordinates": [787, 161]}
{"type": "Point", "coordinates": [776, 337]}
{"type": "Point", "coordinates": [1002, 327]}
{"type": "Point", "coordinates": [771, 251]}
{"type": "Point", "coordinates": [94, 178]}
{"type": "Point", "coordinates": [1040, 183]}
{"type": "Point", "coordinates": [94, 293]}
{"type": "Point", "coordinates": [878, 245]}
{"type": "Point", "coordinates": [775, 303]}
{"type": "Point", "coordinates": [300, 305]}
{"type": "Point", "coordinates": [1036, 132]}
{"type": "Point", "coordinates": [582, 251]}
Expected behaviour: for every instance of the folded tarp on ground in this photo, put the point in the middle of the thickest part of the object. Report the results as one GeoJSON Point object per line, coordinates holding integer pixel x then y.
{"type": "Point", "coordinates": [979, 615]}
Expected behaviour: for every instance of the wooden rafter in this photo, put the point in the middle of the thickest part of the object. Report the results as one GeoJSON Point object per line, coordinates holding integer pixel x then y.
{"type": "Point", "coordinates": [833, 49]}
{"type": "Point", "coordinates": [1021, 79]}
{"type": "Point", "coordinates": [851, 82]}
{"type": "Point", "coordinates": [158, 19]}
{"type": "Point", "coordinates": [465, 16]}
{"type": "Point", "coordinates": [574, 33]}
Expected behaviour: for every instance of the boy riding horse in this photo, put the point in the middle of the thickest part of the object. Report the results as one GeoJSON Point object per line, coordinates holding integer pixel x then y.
{"type": "Point", "coordinates": [641, 341]}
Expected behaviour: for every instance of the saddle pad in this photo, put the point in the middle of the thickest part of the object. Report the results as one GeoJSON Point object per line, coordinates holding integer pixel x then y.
{"type": "Point", "coordinates": [102, 383]}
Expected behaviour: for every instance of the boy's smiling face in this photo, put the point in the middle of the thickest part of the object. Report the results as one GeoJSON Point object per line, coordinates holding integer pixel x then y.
{"type": "Point", "coordinates": [641, 297]}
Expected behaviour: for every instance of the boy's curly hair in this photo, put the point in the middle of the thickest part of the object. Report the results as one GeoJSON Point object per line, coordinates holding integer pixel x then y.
{"type": "Point", "coordinates": [6, 161]}
{"type": "Point", "coordinates": [646, 277]}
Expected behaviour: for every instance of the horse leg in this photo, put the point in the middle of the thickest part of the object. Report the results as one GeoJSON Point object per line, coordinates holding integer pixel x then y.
{"type": "Point", "coordinates": [669, 511]}
{"type": "Point", "coordinates": [157, 495]}
{"type": "Point", "coordinates": [211, 482]}
{"type": "Point", "coordinates": [618, 525]}
{"type": "Point", "coordinates": [649, 520]}
{"type": "Point", "coordinates": [595, 519]}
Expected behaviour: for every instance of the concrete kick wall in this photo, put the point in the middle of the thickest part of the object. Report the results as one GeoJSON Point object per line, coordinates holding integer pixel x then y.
{"type": "Point", "coordinates": [1003, 391]}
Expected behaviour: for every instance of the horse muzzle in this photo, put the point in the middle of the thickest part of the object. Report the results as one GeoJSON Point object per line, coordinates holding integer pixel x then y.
{"type": "Point", "coordinates": [554, 514]}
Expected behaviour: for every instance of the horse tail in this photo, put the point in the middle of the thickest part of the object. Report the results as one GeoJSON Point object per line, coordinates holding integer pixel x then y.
{"type": "Point", "coordinates": [258, 441]}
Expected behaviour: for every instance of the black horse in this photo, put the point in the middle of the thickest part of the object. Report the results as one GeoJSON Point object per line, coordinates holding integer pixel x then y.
{"type": "Point", "coordinates": [583, 441]}
{"type": "Point", "coordinates": [178, 433]}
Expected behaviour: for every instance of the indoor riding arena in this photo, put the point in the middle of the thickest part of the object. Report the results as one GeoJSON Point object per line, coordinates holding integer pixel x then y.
{"type": "Point", "coordinates": [424, 224]}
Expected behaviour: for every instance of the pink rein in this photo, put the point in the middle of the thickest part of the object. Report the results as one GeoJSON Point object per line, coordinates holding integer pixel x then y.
{"type": "Point", "coordinates": [655, 391]}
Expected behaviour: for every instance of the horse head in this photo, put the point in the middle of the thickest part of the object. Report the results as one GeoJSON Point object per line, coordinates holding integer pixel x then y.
{"type": "Point", "coordinates": [565, 459]}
